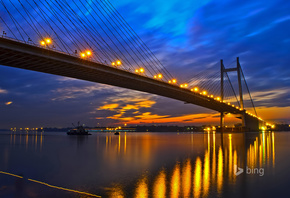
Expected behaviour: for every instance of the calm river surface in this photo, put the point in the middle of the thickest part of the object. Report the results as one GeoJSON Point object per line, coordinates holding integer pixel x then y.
{"type": "Point", "coordinates": [145, 164]}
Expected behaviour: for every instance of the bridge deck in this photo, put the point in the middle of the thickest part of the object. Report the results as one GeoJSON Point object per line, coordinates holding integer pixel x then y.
{"type": "Point", "coordinates": [30, 57]}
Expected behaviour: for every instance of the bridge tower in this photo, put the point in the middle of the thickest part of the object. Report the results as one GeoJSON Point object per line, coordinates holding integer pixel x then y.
{"type": "Point", "coordinates": [238, 70]}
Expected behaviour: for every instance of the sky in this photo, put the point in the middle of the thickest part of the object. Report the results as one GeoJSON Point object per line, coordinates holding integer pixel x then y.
{"type": "Point", "coordinates": [187, 37]}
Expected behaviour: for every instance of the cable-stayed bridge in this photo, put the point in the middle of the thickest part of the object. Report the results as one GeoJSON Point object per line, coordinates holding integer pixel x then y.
{"type": "Point", "coordinates": [92, 41]}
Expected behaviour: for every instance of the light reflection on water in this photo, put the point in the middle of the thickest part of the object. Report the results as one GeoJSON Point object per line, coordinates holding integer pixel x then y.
{"type": "Point", "coordinates": [140, 165]}
{"type": "Point", "coordinates": [196, 177]}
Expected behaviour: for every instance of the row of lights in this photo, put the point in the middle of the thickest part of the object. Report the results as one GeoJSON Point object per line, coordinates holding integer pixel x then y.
{"type": "Point", "coordinates": [26, 129]}
{"type": "Point", "coordinates": [88, 53]}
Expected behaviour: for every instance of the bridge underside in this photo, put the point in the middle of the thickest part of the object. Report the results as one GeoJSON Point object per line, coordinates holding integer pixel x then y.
{"type": "Point", "coordinates": [25, 56]}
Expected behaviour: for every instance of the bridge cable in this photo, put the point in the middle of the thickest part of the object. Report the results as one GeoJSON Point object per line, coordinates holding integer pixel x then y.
{"type": "Point", "coordinates": [137, 36]}
{"type": "Point", "coordinates": [113, 36]}
{"type": "Point", "coordinates": [229, 80]}
{"type": "Point", "coordinates": [248, 91]}
{"type": "Point", "coordinates": [77, 29]}
{"type": "Point", "coordinates": [107, 55]}
{"type": "Point", "coordinates": [128, 33]}
{"type": "Point", "coordinates": [130, 40]}
{"type": "Point", "coordinates": [42, 16]}
{"type": "Point", "coordinates": [70, 36]}
{"type": "Point", "coordinates": [14, 21]}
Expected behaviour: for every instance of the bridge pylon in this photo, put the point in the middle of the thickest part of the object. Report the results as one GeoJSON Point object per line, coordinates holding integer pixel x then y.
{"type": "Point", "coordinates": [223, 71]}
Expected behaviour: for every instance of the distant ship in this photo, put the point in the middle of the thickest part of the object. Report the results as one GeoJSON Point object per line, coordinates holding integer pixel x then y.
{"type": "Point", "coordinates": [79, 130]}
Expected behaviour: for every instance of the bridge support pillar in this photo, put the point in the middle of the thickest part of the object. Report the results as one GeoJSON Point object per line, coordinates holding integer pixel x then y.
{"type": "Point", "coordinates": [240, 91]}
{"type": "Point", "coordinates": [251, 124]}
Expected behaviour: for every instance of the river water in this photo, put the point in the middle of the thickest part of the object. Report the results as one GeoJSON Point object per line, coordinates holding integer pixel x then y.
{"type": "Point", "coordinates": [145, 165]}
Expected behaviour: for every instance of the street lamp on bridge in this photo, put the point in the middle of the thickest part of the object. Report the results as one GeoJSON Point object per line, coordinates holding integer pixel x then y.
{"type": "Point", "coordinates": [46, 42]}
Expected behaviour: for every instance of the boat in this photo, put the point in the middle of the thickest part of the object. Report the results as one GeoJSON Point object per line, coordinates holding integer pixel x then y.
{"type": "Point", "coordinates": [79, 130]}
{"type": "Point", "coordinates": [117, 133]}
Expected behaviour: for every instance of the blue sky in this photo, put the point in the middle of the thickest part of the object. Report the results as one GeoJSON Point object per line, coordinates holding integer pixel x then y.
{"type": "Point", "coordinates": [187, 37]}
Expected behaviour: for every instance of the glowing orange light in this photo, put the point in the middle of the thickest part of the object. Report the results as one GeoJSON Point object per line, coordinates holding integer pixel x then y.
{"type": "Point", "coordinates": [169, 81]}
{"type": "Point", "coordinates": [160, 76]}
{"type": "Point", "coordinates": [185, 85]}
{"type": "Point", "coordinates": [155, 76]}
{"type": "Point", "coordinates": [119, 62]}
{"type": "Point", "coordinates": [88, 53]}
{"type": "Point", "coordinates": [48, 41]}
{"type": "Point", "coordinates": [141, 70]}
{"type": "Point", "coordinates": [83, 55]}
{"type": "Point", "coordinates": [113, 63]}
{"type": "Point", "coordinates": [136, 70]}
{"type": "Point", "coordinates": [195, 89]}
{"type": "Point", "coordinates": [218, 98]}
{"type": "Point", "coordinates": [42, 42]}
{"type": "Point", "coordinates": [204, 92]}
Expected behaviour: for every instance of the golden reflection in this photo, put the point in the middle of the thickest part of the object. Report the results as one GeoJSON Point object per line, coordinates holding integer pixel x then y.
{"type": "Point", "coordinates": [209, 173]}
{"type": "Point", "coordinates": [268, 150]}
{"type": "Point", "coordinates": [235, 163]}
{"type": "Point", "coordinates": [26, 141]}
{"type": "Point", "coordinates": [116, 192]}
{"type": "Point", "coordinates": [260, 155]}
{"type": "Point", "coordinates": [14, 138]}
{"type": "Point", "coordinates": [41, 139]}
{"type": "Point", "coordinates": [261, 151]}
{"type": "Point", "coordinates": [273, 150]}
{"type": "Point", "coordinates": [35, 140]}
{"type": "Point", "coordinates": [206, 174]}
{"type": "Point", "coordinates": [220, 171]}
{"type": "Point", "coordinates": [186, 178]}
{"type": "Point", "coordinates": [119, 144]}
{"type": "Point", "coordinates": [263, 141]}
{"type": "Point", "coordinates": [197, 178]}
{"type": "Point", "coordinates": [175, 181]}
{"type": "Point", "coordinates": [230, 156]}
{"type": "Point", "coordinates": [125, 143]}
{"type": "Point", "coordinates": [142, 188]}
{"type": "Point", "coordinates": [159, 188]}
{"type": "Point", "coordinates": [213, 159]}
